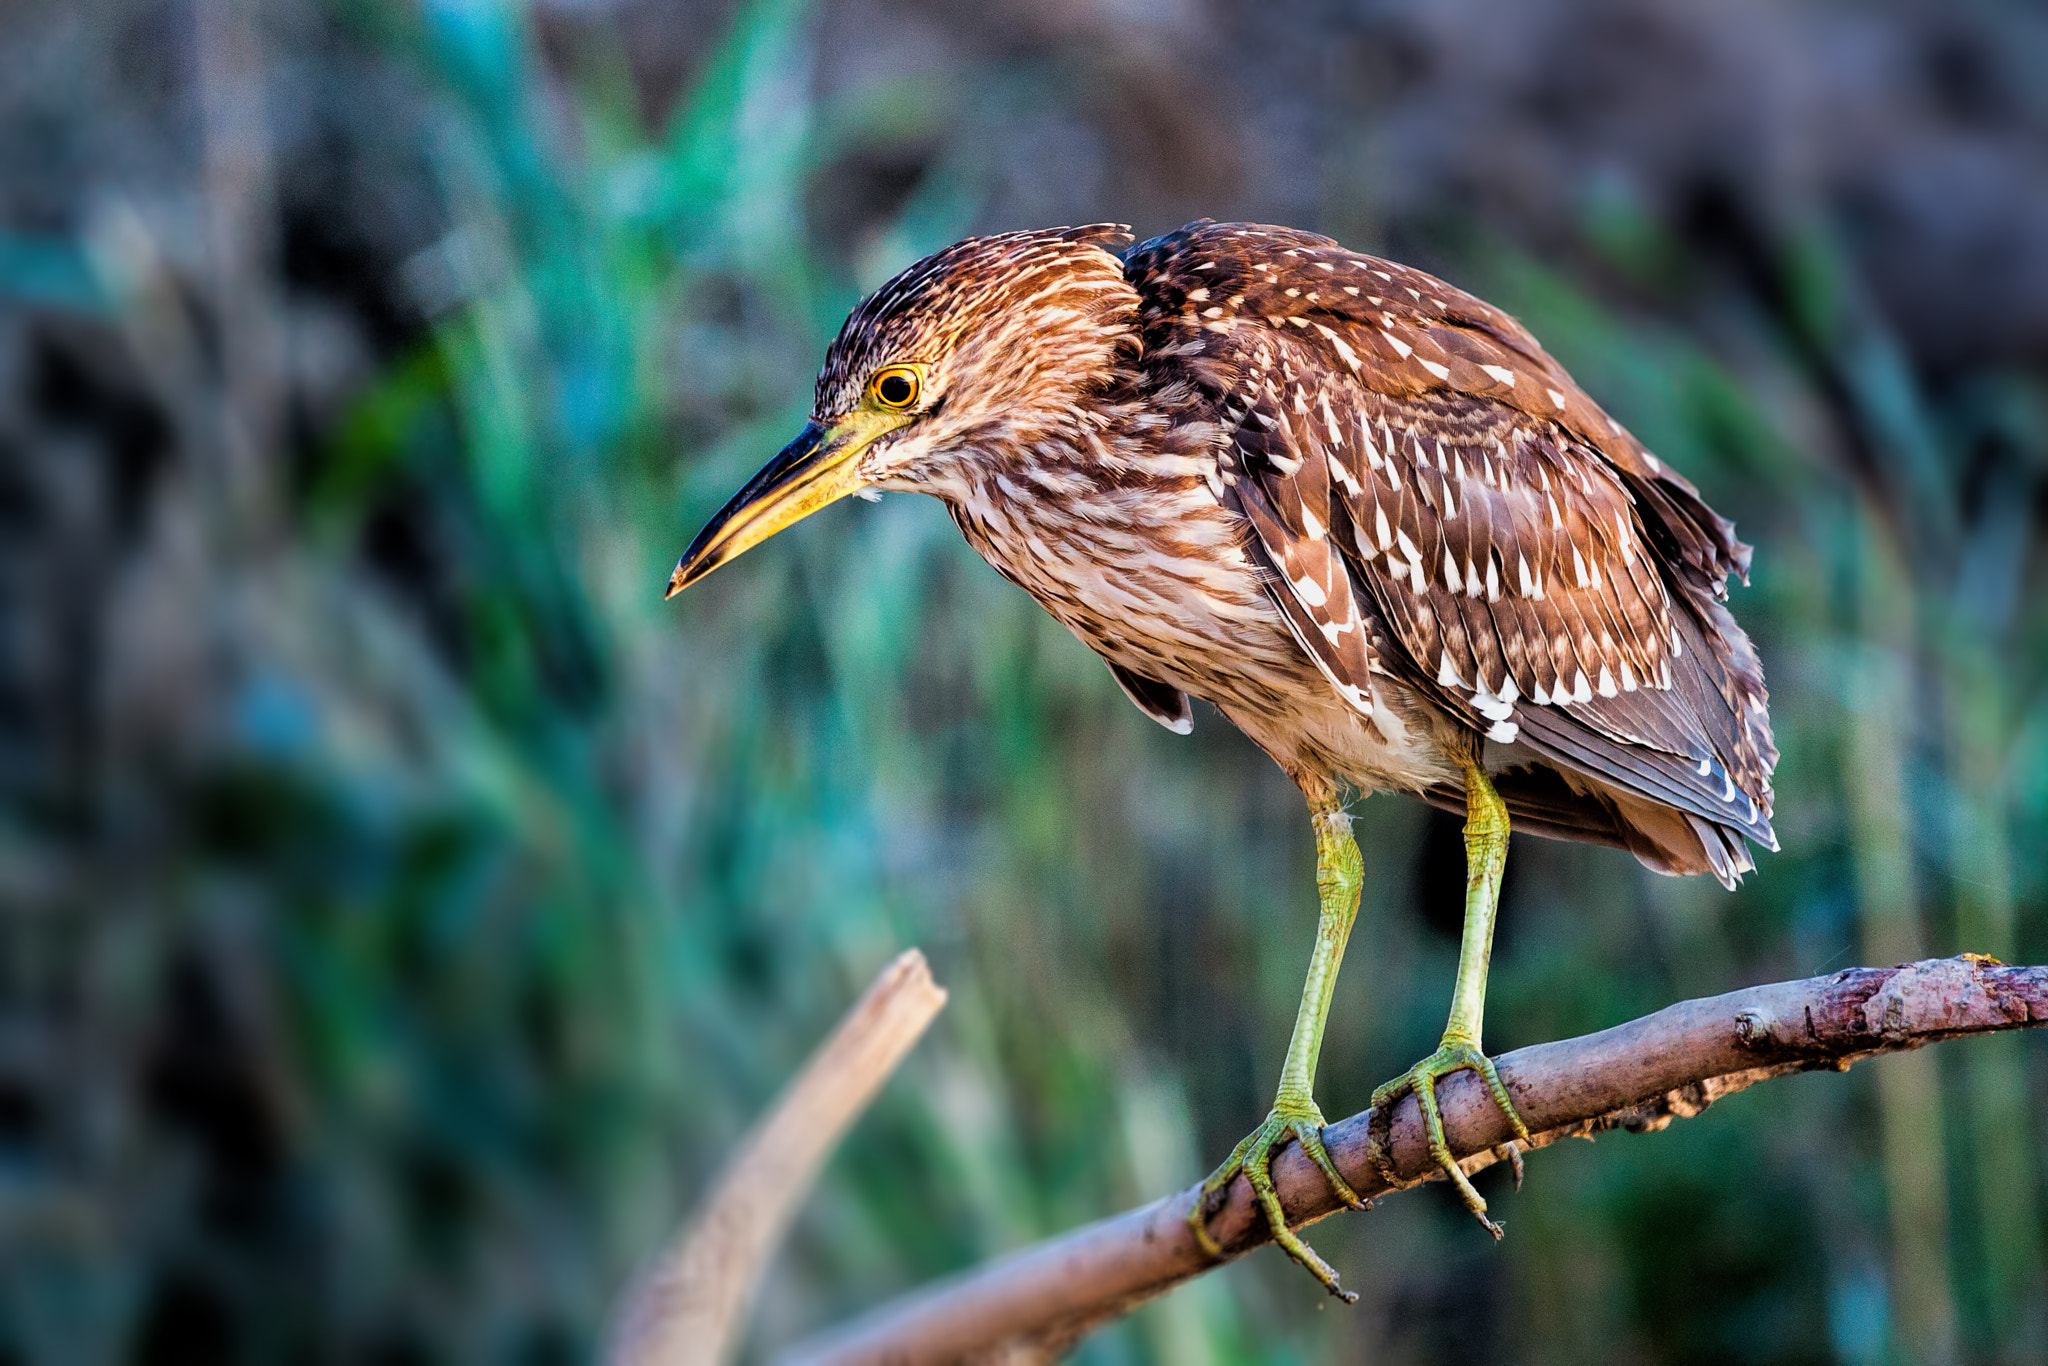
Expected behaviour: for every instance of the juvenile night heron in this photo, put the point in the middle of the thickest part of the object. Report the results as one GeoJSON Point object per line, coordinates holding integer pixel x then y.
{"type": "Point", "coordinates": [1363, 514]}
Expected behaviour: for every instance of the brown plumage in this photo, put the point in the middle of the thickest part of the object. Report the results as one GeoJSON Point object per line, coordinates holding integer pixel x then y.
{"type": "Point", "coordinates": [1361, 512]}
{"type": "Point", "coordinates": [1247, 464]}
{"type": "Point", "coordinates": [1437, 501]}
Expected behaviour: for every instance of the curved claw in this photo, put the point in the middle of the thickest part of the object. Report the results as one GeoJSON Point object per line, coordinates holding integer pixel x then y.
{"type": "Point", "coordinates": [1253, 1156]}
{"type": "Point", "coordinates": [1422, 1079]}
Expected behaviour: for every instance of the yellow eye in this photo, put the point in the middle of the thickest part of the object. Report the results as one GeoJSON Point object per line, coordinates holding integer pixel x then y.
{"type": "Point", "coordinates": [896, 387]}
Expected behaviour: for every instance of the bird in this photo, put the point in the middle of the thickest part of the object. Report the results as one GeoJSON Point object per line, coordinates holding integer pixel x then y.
{"type": "Point", "coordinates": [1360, 512]}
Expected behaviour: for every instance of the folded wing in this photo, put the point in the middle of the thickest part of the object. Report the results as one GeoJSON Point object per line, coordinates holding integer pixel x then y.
{"type": "Point", "coordinates": [1540, 574]}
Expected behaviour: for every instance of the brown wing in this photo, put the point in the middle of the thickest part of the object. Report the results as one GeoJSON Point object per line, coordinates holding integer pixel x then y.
{"type": "Point", "coordinates": [1309, 579]}
{"type": "Point", "coordinates": [1542, 576]}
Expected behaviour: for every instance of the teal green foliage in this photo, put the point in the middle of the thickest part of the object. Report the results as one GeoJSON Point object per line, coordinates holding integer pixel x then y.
{"type": "Point", "coordinates": [540, 887]}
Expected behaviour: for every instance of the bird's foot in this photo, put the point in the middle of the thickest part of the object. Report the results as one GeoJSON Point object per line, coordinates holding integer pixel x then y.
{"type": "Point", "coordinates": [1454, 1055]}
{"type": "Point", "coordinates": [1286, 1122]}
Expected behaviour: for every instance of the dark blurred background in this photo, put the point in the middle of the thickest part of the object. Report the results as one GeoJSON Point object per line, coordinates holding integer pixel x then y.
{"type": "Point", "coordinates": [402, 910]}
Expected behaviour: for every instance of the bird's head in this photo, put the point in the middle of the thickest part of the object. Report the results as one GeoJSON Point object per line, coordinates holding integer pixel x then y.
{"type": "Point", "coordinates": [973, 354]}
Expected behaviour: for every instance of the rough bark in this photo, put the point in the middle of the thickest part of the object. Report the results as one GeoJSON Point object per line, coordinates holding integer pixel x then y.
{"type": "Point", "coordinates": [1032, 1305]}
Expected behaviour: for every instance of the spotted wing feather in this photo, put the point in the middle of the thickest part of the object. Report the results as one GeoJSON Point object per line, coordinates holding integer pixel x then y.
{"type": "Point", "coordinates": [1542, 576]}
{"type": "Point", "coordinates": [1291, 516]}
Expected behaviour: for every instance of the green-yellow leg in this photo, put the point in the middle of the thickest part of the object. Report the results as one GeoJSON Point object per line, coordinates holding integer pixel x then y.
{"type": "Point", "coordinates": [1294, 1115]}
{"type": "Point", "coordinates": [1486, 854]}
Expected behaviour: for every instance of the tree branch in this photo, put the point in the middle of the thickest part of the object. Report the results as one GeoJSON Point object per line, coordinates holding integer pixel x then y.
{"type": "Point", "coordinates": [687, 1310]}
{"type": "Point", "coordinates": [1033, 1304]}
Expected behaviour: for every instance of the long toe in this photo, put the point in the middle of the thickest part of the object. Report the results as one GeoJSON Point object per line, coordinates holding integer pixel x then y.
{"type": "Point", "coordinates": [1452, 1056]}
{"type": "Point", "coordinates": [1310, 1136]}
{"type": "Point", "coordinates": [1253, 1158]}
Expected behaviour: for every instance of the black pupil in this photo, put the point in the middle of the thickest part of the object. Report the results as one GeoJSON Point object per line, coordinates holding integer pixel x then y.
{"type": "Point", "coordinates": [894, 389]}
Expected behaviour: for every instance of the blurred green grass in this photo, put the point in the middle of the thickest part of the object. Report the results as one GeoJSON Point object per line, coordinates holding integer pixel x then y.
{"type": "Point", "coordinates": [509, 893]}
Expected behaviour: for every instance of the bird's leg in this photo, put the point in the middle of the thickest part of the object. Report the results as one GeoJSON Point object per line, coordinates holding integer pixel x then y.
{"type": "Point", "coordinates": [1294, 1115]}
{"type": "Point", "coordinates": [1486, 853]}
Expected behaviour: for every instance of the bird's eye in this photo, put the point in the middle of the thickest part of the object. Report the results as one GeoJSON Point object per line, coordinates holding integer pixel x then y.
{"type": "Point", "coordinates": [895, 387]}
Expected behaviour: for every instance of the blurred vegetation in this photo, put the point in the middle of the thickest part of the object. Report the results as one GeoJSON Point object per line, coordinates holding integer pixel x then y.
{"type": "Point", "coordinates": [403, 909]}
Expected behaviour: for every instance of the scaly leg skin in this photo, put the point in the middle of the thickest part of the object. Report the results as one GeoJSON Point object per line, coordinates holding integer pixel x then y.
{"type": "Point", "coordinates": [1486, 854]}
{"type": "Point", "coordinates": [1294, 1115]}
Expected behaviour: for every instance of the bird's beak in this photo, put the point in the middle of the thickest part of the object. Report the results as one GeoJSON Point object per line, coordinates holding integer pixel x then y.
{"type": "Point", "coordinates": [821, 466]}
